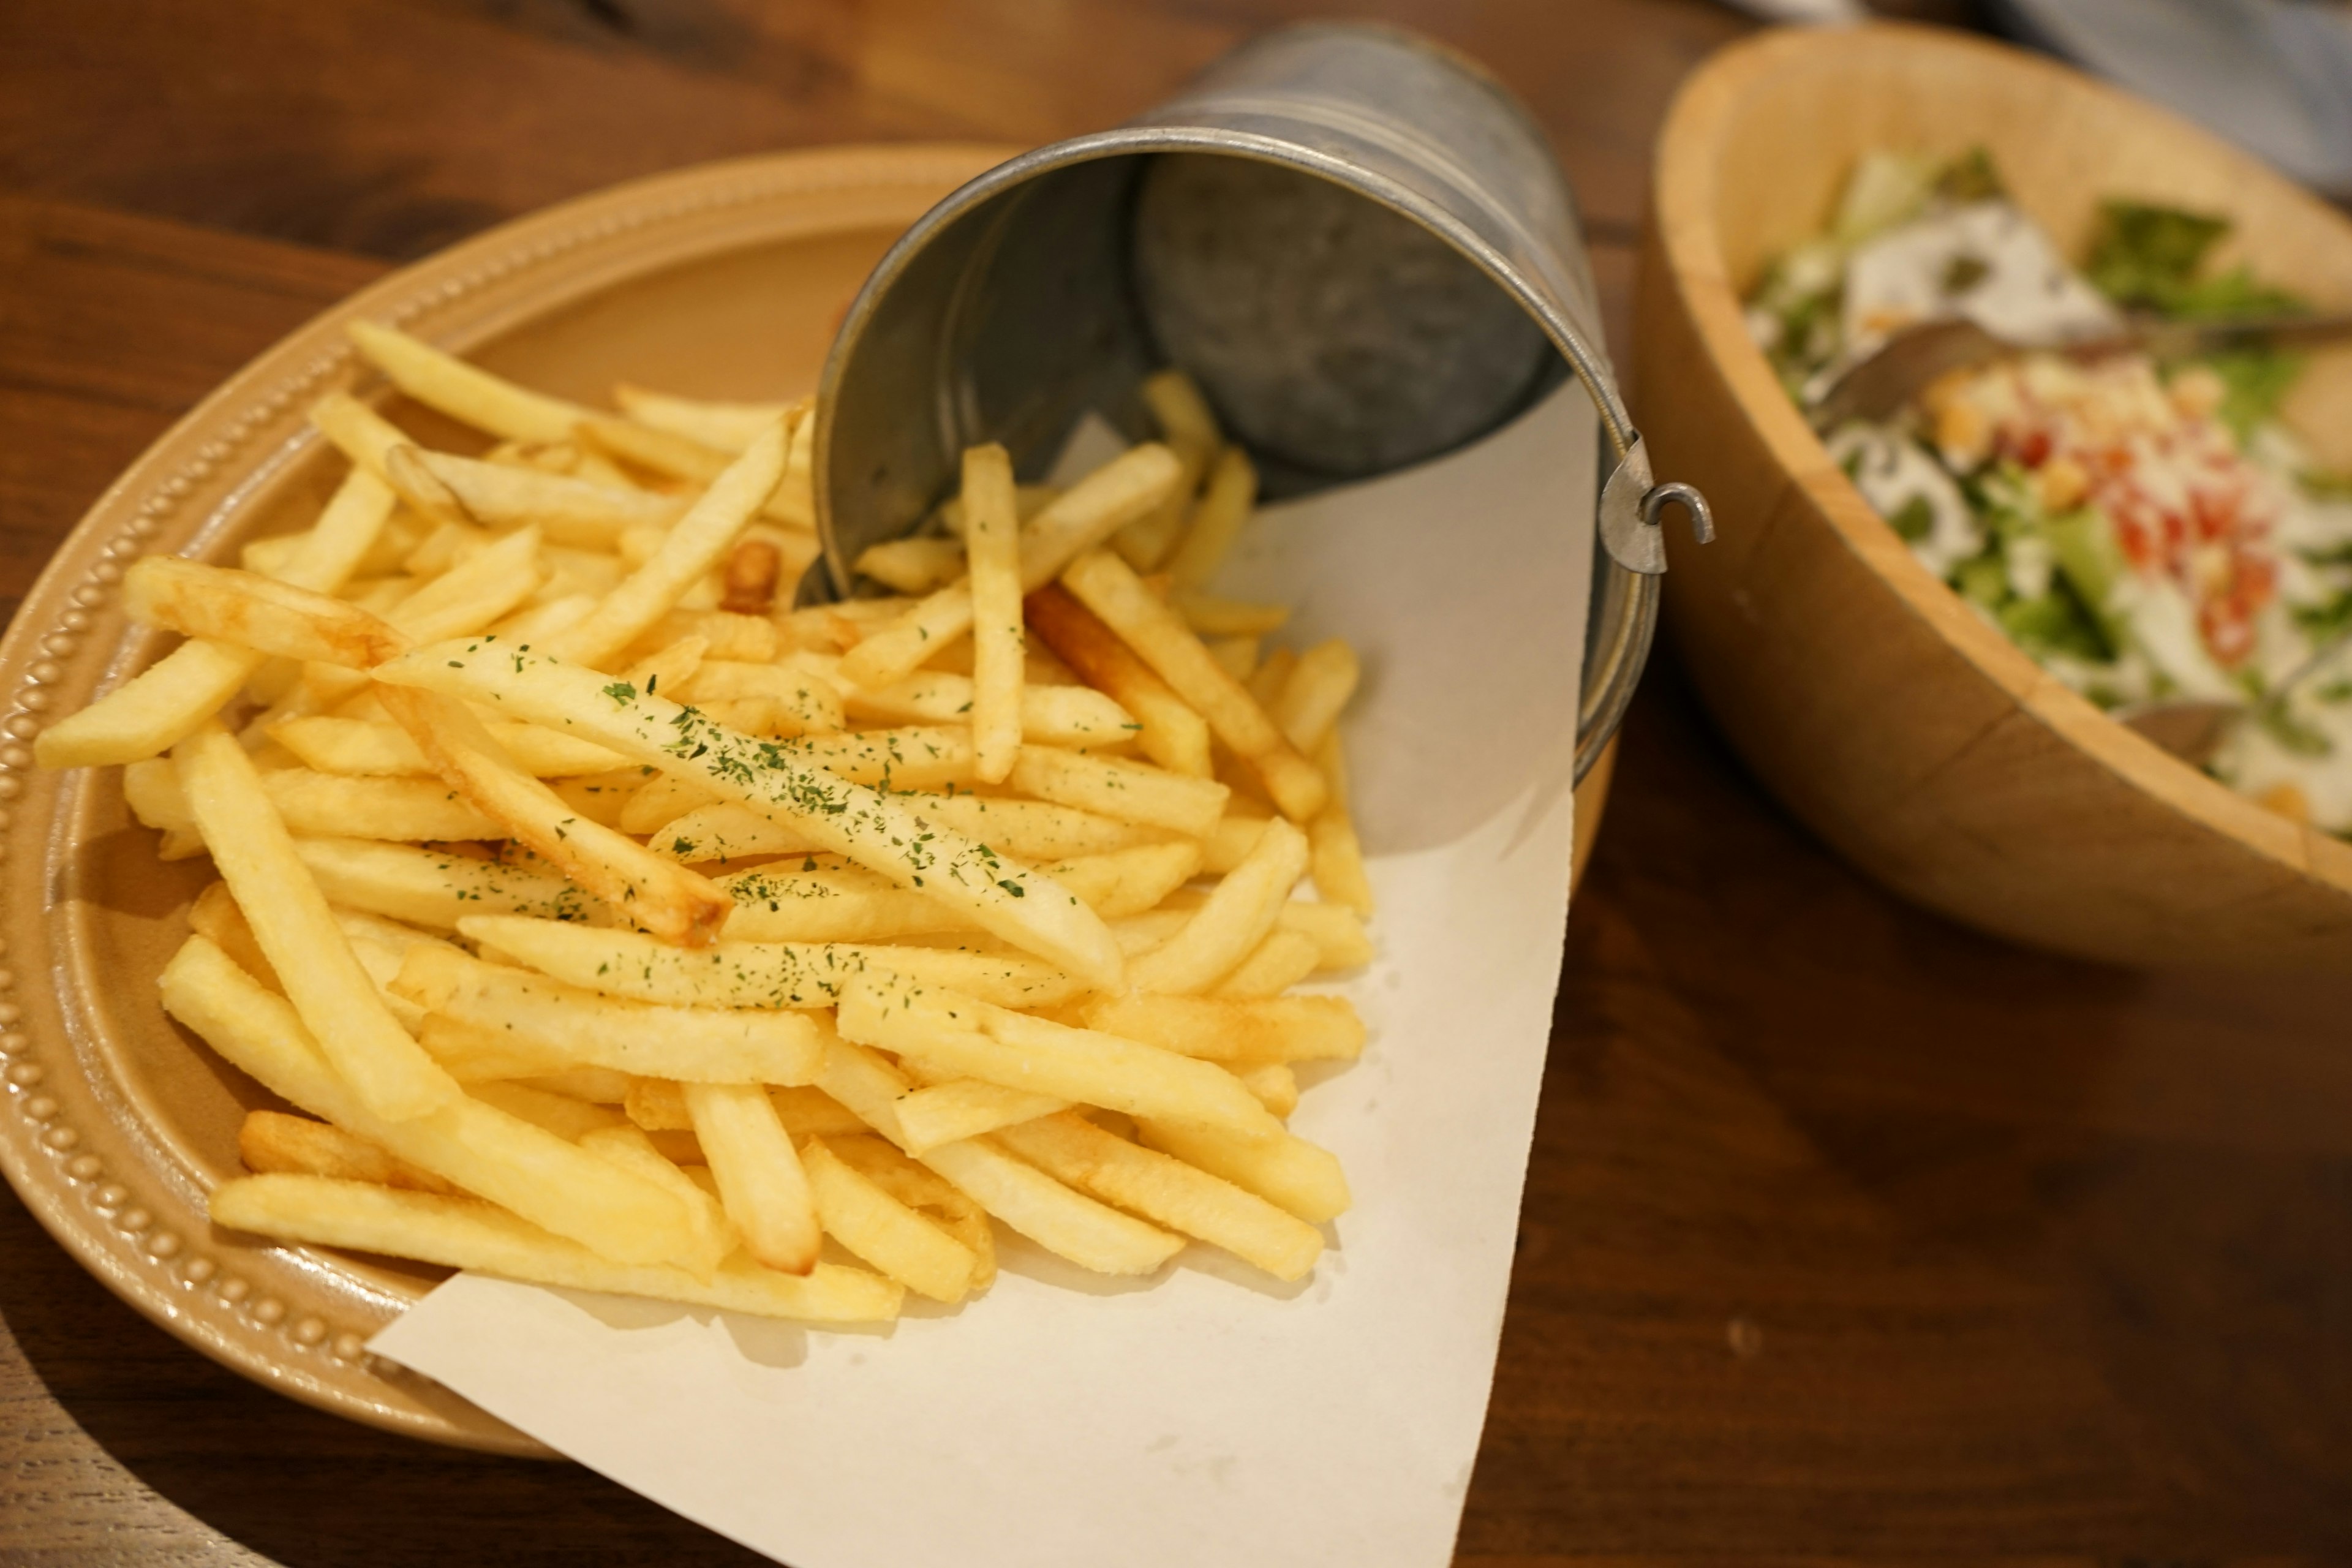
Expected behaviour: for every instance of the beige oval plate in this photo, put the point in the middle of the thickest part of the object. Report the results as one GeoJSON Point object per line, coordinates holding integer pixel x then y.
{"type": "Point", "coordinates": [723, 281]}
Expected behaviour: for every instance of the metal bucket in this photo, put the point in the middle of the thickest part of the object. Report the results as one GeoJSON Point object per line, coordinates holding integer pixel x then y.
{"type": "Point", "coordinates": [1355, 242]}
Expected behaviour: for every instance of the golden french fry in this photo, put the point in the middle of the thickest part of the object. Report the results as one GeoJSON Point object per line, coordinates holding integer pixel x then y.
{"type": "Point", "coordinates": [271, 1140]}
{"type": "Point", "coordinates": [1217, 520]}
{"type": "Point", "coordinates": [1032, 830]}
{"type": "Point", "coordinates": [375, 748]}
{"type": "Point", "coordinates": [633, 1150]}
{"type": "Point", "coordinates": [1276, 1086]}
{"type": "Point", "coordinates": [582, 1027]}
{"type": "Point", "coordinates": [1277, 1028]}
{"type": "Point", "coordinates": [1052, 715]}
{"type": "Point", "coordinates": [916, 566]}
{"type": "Point", "coordinates": [1168, 730]}
{"type": "Point", "coordinates": [661, 800]}
{"type": "Point", "coordinates": [753, 974]}
{"type": "Point", "coordinates": [1288, 1171]}
{"type": "Point", "coordinates": [962, 1037]}
{"type": "Point", "coordinates": [728, 426]}
{"type": "Point", "coordinates": [1319, 687]}
{"type": "Point", "coordinates": [291, 922]}
{"type": "Point", "coordinates": [1280, 962]}
{"type": "Point", "coordinates": [848, 904]}
{"type": "Point", "coordinates": [878, 1228]}
{"type": "Point", "coordinates": [1230, 841]}
{"type": "Point", "coordinates": [922, 1189]}
{"type": "Point", "coordinates": [434, 888]}
{"type": "Point", "coordinates": [464, 392]}
{"type": "Point", "coordinates": [465, 1233]}
{"type": "Point", "coordinates": [1213, 616]}
{"type": "Point", "coordinates": [467, 1142]}
{"type": "Point", "coordinates": [1190, 432]}
{"type": "Point", "coordinates": [163, 704]}
{"type": "Point", "coordinates": [1108, 587]}
{"type": "Point", "coordinates": [663, 452]}
{"type": "Point", "coordinates": [1066, 1223]}
{"type": "Point", "coordinates": [215, 915]}
{"type": "Point", "coordinates": [760, 1182]}
{"type": "Point", "coordinates": [255, 612]}
{"type": "Point", "coordinates": [597, 1086]}
{"type": "Point", "coordinates": [1233, 922]}
{"type": "Point", "coordinates": [694, 545]}
{"type": "Point", "coordinates": [568, 1117]}
{"type": "Point", "coordinates": [1169, 1191]}
{"type": "Point", "coordinates": [1337, 855]}
{"type": "Point", "coordinates": [570, 512]}
{"type": "Point", "coordinates": [1130, 792]}
{"type": "Point", "coordinates": [993, 540]}
{"type": "Point", "coordinates": [1128, 881]}
{"type": "Point", "coordinates": [879, 831]}
{"type": "Point", "coordinates": [1237, 656]}
{"type": "Point", "coordinates": [966, 1108]}
{"type": "Point", "coordinates": [749, 640]}
{"type": "Point", "coordinates": [658, 895]}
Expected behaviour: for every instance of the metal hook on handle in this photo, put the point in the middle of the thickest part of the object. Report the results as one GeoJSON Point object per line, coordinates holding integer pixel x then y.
{"type": "Point", "coordinates": [1630, 507]}
{"type": "Point", "coordinates": [1655, 500]}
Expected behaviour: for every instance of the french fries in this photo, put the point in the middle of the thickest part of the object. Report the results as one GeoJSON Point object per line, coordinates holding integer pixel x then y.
{"type": "Point", "coordinates": [1008, 924]}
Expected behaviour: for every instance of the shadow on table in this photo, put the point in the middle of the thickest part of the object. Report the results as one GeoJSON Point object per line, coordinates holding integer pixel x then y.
{"type": "Point", "coordinates": [304, 1489]}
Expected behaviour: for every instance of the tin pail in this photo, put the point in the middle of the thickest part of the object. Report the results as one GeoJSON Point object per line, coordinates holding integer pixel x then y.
{"type": "Point", "coordinates": [1355, 241]}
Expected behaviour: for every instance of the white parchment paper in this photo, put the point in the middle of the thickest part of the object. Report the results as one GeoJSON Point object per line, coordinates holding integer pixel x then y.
{"type": "Point", "coordinates": [1208, 1417]}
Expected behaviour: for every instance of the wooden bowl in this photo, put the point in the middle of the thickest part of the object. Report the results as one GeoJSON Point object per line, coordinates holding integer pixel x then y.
{"type": "Point", "coordinates": [1906, 731]}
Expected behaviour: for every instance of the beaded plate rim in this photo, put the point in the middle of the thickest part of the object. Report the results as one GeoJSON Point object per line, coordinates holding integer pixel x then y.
{"type": "Point", "coordinates": [297, 1319]}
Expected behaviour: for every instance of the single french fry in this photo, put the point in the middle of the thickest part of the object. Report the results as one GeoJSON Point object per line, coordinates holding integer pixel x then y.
{"type": "Point", "coordinates": [693, 545]}
{"type": "Point", "coordinates": [163, 704]}
{"type": "Point", "coordinates": [1108, 587]}
{"type": "Point", "coordinates": [1128, 881]}
{"type": "Point", "coordinates": [1288, 1171]}
{"type": "Point", "coordinates": [881, 832]}
{"type": "Point", "coordinates": [890, 654]}
{"type": "Point", "coordinates": [992, 539]}
{"type": "Point", "coordinates": [750, 639]}
{"type": "Point", "coordinates": [271, 1140]}
{"type": "Point", "coordinates": [1337, 855]}
{"type": "Point", "coordinates": [1237, 656]}
{"type": "Point", "coordinates": [464, 392]}
{"type": "Point", "coordinates": [465, 1233]}
{"type": "Point", "coordinates": [1276, 1086]}
{"type": "Point", "coordinates": [1213, 616]}
{"type": "Point", "coordinates": [849, 904]}
{"type": "Point", "coordinates": [656, 895]}
{"type": "Point", "coordinates": [1189, 429]}
{"type": "Point", "coordinates": [1230, 841]}
{"type": "Point", "coordinates": [1131, 792]}
{"type": "Point", "coordinates": [581, 1027]}
{"type": "Point", "coordinates": [375, 748]}
{"type": "Point", "coordinates": [1032, 830]}
{"type": "Point", "coordinates": [1318, 688]}
{"type": "Point", "coordinates": [916, 566]}
{"type": "Point", "coordinates": [315, 803]}
{"type": "Point", "coordinates": [1272, 675]}
{"type": "Point", "coordinates": [881, 1230]}
{"type": "Point", "coordinates": [1217, 520]}
{"type": "Point", "coordinates": [291, 922]}
{"type": "Point", "coordinates": [760, 1182]}
{"type": "Point", "coordinates": [434, 888]}
{"type": "Point", "coordinates": [966, 1108]}
{"type": "Point", "coordinates": [1278, 962]}
{"type": "Point", "coordinates": [468, 1143]}
{"type": "Point", "coordinates": [920, 1188]}
{"type": "Point", "coordinates": [1168, 730]}
{"type": "Point", "coordinates": [1066, 1223]}
{"type": "Point", "coordinates": [597, 1086]}
{"type": "Point", "coordinates": [753, 974]}
{"type": "Point", "coordinates": [663, 452]}
{"type": "Point", "coordinates": [255, 612]}
{"type": "Point", "coordinates": [1169, 1191]}
{"type": "Point", "coordinates": [1276, 1028]}
{"type": "Point", "coordinates": [570, 512]}
{"type": "Point", "coordinates": [727, 426]}
{"type": "Point", "coordinates": [1234, 920]}
{"type": "Point", "coordinates": [661, 800]}
{"type": "Point", "coordinates": [1050, 715]}
{"type": "Point", "coordinates": [963, 1036]}
{"type": "Point", "coordinates": [569, 1118]}
{"type": "Point", "coordinates": [359, 432]}
{"type": "Point", "coordinates": [215, 915]}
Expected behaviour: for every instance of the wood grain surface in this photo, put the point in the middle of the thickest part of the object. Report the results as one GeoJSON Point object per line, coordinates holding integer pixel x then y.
{"type": "Point", "coordinates": [1850, 1237]}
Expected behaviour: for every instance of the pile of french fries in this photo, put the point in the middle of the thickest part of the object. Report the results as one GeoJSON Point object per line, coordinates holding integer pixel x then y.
{"type": "Point", "coordinates": [605, 922]}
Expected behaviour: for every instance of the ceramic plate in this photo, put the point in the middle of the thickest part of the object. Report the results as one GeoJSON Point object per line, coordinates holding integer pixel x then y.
{"type": "Point", "coordinates": [723, 280]}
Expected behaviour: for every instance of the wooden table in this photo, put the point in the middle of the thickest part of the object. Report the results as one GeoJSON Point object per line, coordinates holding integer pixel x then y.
{"type": "Point", "coordinates": [1849, 1235]}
